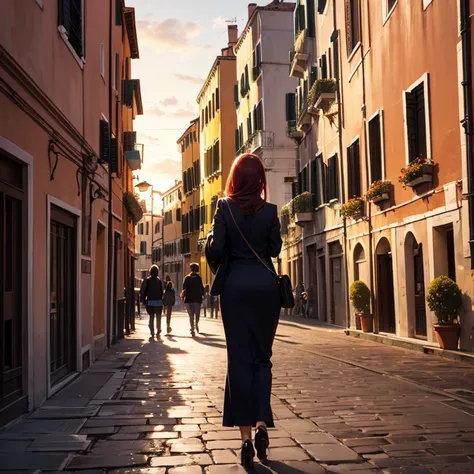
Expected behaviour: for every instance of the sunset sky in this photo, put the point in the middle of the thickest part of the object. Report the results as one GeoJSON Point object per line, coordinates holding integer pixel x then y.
{"type": "Point", "coordinates": [178, 43]}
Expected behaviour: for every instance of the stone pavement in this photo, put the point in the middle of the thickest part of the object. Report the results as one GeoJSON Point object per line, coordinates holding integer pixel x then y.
{"type": "Point", "coordinates": [341, 405]}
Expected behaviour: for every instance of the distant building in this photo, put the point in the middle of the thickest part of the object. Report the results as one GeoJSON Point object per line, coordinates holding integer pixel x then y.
{"type": "Point", "coordinates": [217, 137]}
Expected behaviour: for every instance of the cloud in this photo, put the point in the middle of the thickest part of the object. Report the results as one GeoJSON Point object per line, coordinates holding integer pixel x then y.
{"type": "Point", "coordinates": [185, 113]}
{"type": "Point", "coordinates": [169, 101]}
{"type": "Point", "coordinates": [154, 110]}
{"type": "Point", "coordinates": [171, 34]}
{"type": "Point", "coordinates": [186, 78]}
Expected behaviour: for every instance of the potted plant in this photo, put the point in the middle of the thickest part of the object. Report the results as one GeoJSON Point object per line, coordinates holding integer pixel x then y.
{"type": "Point", "coordinates": [303, 208]}
{"type": "Point", "coordinates": [359, 295]}
{"type": "Point", "coordinates": [322, 94]}
{"type": "Point", "coordinates": [352, 208]}
{"type": "Point", "coordinates": [445, 300]}
{"type": "Point", "coordinates": [378, 191]}
{"type": "Point", "coordinates": [417, 172]}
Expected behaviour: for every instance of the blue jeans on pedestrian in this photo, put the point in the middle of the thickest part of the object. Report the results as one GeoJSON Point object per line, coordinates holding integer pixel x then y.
{"type": "Point", "coordinates": [194, 311]}
{"type": "Point", "coordinates": [154, 311]}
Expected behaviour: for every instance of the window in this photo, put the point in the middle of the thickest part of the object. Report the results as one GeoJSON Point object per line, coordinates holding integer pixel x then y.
{"type": "Point", "coordinates": [116, 78]}
{"type": "Point", "coordinates": [147, 232]}
{"type": "Point", "coordinates": [118, 12]}
{"type": "Point", "coordinates": [332, 179]}
{"type": "Point", "coordinates": [257, 61]}
{"type": "Point", "coordinates": [213, 105]}
{"type": "Point", "coordinates": [247, 80]}
{"type": "Point", "coordinates": [323, 62]}
{"type": "Point", "coordinates": [104, 141]}
{"type": "Point", "coordinates": [352, 25]}
{"type": "Point", "coordinates": [387, 8]}
{"type": "Point", "coordinates": [303, 180]}
{"type": "Point", "coordinates": [300, 19]}
{"type": "Point", "coordinates": [143, 247]}
{"type": "Point", "coordinates": [321, 6]}
{"type": "Point", "coordinates": [416, 119]}
{"type": "Point", "coordinates": [353, 170]}
{"type": "Point", "coordinates": [178, 215]}
{"type": "Point", "coordinates": [217, 102]}
{"type": "Point", "coordinates": [157, 228]}
{"type": "Point", "coordinates": [197, 219]}
{"type": "Point", "coordinates": [140, 229]}
{"type": "Point", "coordinates": [236, 94]}
{"type": "Point", "coordinates": [290, 106]}
{"type": "Point", "coordinates": [102, 60]}
{"type": "Point", "coordinates": [310, 29]}
{"type": "Point", "coordinates": [70, 18]}
{"type": "Point", "coordinates": [318, 181]}
{"type": "Point", "coordinates": [375, 148]}
{"type": "Point", "coordinates": [258, 120]}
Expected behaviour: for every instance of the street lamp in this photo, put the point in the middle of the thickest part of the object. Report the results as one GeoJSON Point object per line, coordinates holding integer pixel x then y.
{"type": "Point", "coordinates": [143, 187]}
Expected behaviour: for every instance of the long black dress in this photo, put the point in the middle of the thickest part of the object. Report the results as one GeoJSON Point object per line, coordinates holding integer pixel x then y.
{"type": "Point", "coordinates": [250, 304]}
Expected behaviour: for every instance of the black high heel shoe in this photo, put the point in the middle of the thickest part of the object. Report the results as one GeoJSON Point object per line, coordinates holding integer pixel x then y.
{"type": "Point", "coordinates": [247, 454]}
{"type": "Point", "coordinates": [261, 442]}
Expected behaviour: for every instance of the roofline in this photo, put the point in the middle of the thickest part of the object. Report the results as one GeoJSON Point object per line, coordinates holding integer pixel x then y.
{"type": "Point", "coordinates": [268, 8]}
{"type": "Point", "coordinates": [173, 188]}
{"type": "Point", "coordinates": [131, 26]}
{"type": "Point", "coordinates": [211, 73]}
{"type": "Point", "coordinates": [193, 122]}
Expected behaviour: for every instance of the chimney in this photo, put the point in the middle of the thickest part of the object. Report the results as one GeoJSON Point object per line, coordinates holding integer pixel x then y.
{"type": "Point", "coordinates": [252, 7]}
{"type": "Point", "coordinates": [233, 35]}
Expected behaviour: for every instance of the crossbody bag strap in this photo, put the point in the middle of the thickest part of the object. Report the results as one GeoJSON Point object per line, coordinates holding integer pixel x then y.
{"type": "Point", "coordinates": [248, 244]}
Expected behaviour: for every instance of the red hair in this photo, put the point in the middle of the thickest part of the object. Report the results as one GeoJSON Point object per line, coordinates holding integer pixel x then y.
{"type": "Point", "coordinates": [247, 182]}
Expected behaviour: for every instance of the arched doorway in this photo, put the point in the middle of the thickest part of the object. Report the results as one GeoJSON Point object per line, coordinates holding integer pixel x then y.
{"type": "Point", "coordinates": [385, 293]}
{"type": "Point", "coordinates": [415, 281]}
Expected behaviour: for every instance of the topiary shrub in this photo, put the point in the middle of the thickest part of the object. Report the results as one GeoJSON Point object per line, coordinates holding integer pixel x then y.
{"type": "Point", "coordinates": [445, 300]}
{"type": "Point", "coordinates": [359, 295]}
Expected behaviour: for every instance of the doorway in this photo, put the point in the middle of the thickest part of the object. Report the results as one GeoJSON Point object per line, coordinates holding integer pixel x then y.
{"type": "Point", "coordinates": [336, 282]}
{"type": "Point", "coordinates": [13, 325]}
{"type": "Point", "coordinates": [419, 289]}
{"type": "Point", "coordinates": [322, 287]}
{"type": "Point", "coordinates": [99, 290]}
{"type": "Point", "coordinates": [62, 316]}
{"type": "Point", "coordinates": [312, 282]}
{"type": "Point", "coordinates": [385, 292]}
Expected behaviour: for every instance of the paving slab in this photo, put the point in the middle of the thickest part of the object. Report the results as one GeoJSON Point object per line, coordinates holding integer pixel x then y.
{"type": "Point", "coordinates": [289, 467]}
{"type": "Point", "coordinates": [287, 454]}
{"type": "Point", "coordinates": [186, 470]}
{"type": "Point", "coordinates": [332, 453]}
{"type": "Point", "coordinates": [12, 446]}
{"type": "Point", "coordinates": [127, 447]}
{"type": "Point", "coordinates": [153, 470]}
{"type": "Point", "coordinates": [44, 462]}
{"type": "Point", "coordinates": [48, 426]}
{"type": "Point", "coordinates": [56, 443]}
{"type": "Point", "coordinates": [92, 461]}
{"type": "Point", "coordinates": [198, 459]}
{"type": "Point", "coordinates": [224, 456]}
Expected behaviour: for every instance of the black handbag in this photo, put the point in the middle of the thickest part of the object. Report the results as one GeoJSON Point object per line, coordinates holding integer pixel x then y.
{"type": "Point", "coordinates": [287, 300]}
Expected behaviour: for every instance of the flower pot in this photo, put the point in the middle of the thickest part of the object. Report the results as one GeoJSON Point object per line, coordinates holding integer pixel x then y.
{"type": "Point", "coordinates": [302, 217]}
{"type": "Point", "coordinates": [425, 177]}
{"type": "Point", "coordinates": [381, 197]}
{"type": "Point", "coordinates": [365, 322]}
{"type": "Point", "coordinates": [448, 336]}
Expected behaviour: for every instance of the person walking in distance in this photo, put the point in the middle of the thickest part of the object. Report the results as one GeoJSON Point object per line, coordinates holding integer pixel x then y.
{"type": "Point", "coordinates": [169, 300]}
{"type": "Point", "coordinates": [151, 295]}
{"type": "Point", "coordinates": [193, 294]}
{"type": "Point", "coordinates": [240, 247]}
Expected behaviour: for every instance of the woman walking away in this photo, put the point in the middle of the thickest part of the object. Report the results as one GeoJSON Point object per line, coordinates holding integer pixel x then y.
{"type": "Point", "coordinates": [169, 300]}
{"type": "Point", "coordinates": [193, 294]}
{"type": "Point", "coordinates": [244, 238]}
{"type": "Point", "coordinates": [151, 294]}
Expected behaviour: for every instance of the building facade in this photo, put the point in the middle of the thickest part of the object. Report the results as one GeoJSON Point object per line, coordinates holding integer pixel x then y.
{"type": "Point", "coordinates": [172, 252]}
{"type": "Point", "coordinates": [260, 92]}
{"type": "Point", "coordinates": [193, 206]}
{"type": "Point", "coordinates": [364, 124]}
{"type": "Point", "coordinates": [65, 180]}
{"type": "Point", "coordinates": [217, 136]}
{"type": "Point", "coordinates": [148, 242]}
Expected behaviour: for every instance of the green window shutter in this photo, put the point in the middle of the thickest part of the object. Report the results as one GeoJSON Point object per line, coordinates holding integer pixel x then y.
{"type": "Point", "coordinates": [65, 14]}
{"type": "Point", "coordinates": [118, 12]}
{"type": "Point", "coordinates": [236, 93]}
{"type": "Point", "coordinates": [311, 30]}
{"type": "Point", "coordinates": [321, 6]}
{"type": "Point", "coordinates": [104, 141]}
{"type": "Point", "coordinates": [128, 87]}
{"type": "Point", "coordinates": [218, 101]}
{"type": "Point", "coordinates": [290, 106]}
{"type": "Point", "coordinates": [114, 155]}
{"type": "Point", "coordinates": [301, 18]}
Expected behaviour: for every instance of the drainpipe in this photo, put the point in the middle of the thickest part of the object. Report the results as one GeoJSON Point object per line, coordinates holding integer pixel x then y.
{"type": "Point", "coordinates": [110, 207]}
{"type": "Point", "coordinates": [335, 39]}
{"type": "Point", "coordinates": [468, 110]}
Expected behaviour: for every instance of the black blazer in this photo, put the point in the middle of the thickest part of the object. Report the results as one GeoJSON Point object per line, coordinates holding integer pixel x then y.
{"type": "Point", "coordinates": [224, 242]}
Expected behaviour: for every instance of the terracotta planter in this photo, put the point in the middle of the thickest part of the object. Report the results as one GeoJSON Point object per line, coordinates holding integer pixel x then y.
{"type": "Point", "coordinates": [448, 336]}
{"type": "Point", "coordinates": [426, 176]}
{"type": "Point", "coordinates": [365, 322]}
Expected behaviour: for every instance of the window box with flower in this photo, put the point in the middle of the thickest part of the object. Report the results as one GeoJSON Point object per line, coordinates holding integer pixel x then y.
{"type": "Point", "coordinates": [303, 208]}
{"type": "Point", "coordinates": [352, 209]}
{"type": "Point", "coordinates": [321, 95]}
{"type": "Point", "coordinates": [379, 191]}
{"type": "Point", "coordinates": [417, 172]}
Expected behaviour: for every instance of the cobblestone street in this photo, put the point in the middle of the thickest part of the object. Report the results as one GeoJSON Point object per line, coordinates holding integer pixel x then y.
{"type": "Point", "coordinates": [341, 405]}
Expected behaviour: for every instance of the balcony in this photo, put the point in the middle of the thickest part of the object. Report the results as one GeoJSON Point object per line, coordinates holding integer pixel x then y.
{"type": "Point", "coordinates": [259, 140]}
{"type": "Point", "coordinates": [133, 159]}
{"type": "Point", "coordinates": [293, 131]}
{"type": "Point", "coordinates": [321, 95]}
{"type": "Point", "coordinates": [304, 116]}
{"type": "Point", "coordinates": [298, 64]}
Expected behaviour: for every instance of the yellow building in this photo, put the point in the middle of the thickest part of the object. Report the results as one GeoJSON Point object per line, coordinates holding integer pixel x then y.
{"type": "Point", "coordinates": [218, 122]}
{"type": "Point", "coordinates": [193, 213]}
